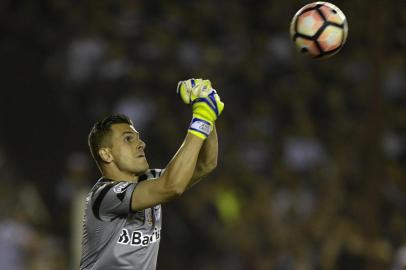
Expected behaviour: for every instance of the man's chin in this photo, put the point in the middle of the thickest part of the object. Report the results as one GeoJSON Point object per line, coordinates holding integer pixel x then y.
{"type": "Point", "coordinates": [146, 165]}
{"type": "Point", "coordinates": [143, 170]}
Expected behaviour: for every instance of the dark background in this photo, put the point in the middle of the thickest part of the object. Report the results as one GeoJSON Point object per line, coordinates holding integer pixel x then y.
{"type": "Point", "coordinates": [311, 172]}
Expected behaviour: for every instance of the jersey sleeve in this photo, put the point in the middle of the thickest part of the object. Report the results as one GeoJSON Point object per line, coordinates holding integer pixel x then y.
{"type": "Point", "coordinates": [112, 199]}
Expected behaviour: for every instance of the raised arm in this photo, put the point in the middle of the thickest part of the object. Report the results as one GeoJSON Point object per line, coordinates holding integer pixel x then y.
{"type": "Point", "coordinates": [196, 157]}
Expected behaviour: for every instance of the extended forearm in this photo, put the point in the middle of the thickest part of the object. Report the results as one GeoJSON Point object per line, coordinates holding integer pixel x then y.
{"type": "Point", "coordinates": [180, 169]}
{"type": "Point", "coordinates": [207, 159]}
{"type": "Point", "coordinates": [208, 154]}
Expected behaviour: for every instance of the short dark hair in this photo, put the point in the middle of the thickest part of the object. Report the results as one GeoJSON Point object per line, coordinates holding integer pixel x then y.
{"type": "Point", "coordinates": [100, 130]}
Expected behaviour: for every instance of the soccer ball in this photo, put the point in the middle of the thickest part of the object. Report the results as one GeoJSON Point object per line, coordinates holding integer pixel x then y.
{"type": "Point", "coordinates": [319, 29]}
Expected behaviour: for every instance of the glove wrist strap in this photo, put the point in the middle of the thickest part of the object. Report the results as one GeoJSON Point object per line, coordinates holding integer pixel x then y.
{"type": "Point", "coordinates": [200, 127]}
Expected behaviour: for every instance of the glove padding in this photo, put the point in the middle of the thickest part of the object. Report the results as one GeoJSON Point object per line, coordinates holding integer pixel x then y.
{"type": "Point", "coordinates": [207, 108]}
{"type": "Point", "coordinates": [206, 105]}
{"type": "Point", "coordinates": [191, 89]}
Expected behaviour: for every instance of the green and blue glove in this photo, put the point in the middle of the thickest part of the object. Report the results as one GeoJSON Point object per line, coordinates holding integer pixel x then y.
{"type": "Point", "coordinates": [206, 105]}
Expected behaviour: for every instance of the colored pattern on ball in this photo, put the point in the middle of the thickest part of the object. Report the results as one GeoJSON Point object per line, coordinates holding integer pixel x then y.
{"type": "Point", "coordinates": [319, 29]}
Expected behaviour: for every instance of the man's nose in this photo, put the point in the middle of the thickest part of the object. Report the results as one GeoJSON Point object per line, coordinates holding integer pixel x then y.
{"type": "Point", "coordinates": [141, 145]}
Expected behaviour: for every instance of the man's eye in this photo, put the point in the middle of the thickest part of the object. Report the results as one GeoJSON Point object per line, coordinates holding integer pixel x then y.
{"type": "Point", "coordinates": [128, 139]}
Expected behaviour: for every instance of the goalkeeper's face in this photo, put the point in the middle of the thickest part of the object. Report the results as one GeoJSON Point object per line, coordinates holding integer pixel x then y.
{"type": "Point", "coordinates": [127, 150]}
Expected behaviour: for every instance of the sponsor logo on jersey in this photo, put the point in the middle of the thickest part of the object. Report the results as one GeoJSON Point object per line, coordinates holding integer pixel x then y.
{"type": "Point", "coordinates": [137, 238]}
{"type": "Point", "coordinates": [121, 187]}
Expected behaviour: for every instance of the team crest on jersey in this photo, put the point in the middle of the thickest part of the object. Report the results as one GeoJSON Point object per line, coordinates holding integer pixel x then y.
{"type": "Point", "coordinates": [121, 187]}
{"type": "Point", "coordinates": [148, 216]}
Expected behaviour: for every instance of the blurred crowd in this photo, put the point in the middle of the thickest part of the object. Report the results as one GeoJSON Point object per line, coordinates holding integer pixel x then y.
{"type": "Point", "coordinates": [311, 171]}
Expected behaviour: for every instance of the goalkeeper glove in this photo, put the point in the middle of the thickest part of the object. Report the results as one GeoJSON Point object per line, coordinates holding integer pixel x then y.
{"type": "Point", "coordinates": [191, 89]}
{"type": "Point", "coordinates": [206, 105]}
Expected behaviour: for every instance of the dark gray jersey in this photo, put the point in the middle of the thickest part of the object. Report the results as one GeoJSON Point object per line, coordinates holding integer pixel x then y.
{"type": "Point", "coordinates": [114, 237]}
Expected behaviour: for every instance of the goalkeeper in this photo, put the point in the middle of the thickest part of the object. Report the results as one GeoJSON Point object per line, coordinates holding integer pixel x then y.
{"type": "Point", "coordinates": [122, 223]}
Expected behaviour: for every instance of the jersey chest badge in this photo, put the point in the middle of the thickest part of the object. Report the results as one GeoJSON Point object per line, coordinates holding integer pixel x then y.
{"type": "Point", "coordinates": [148, 216]}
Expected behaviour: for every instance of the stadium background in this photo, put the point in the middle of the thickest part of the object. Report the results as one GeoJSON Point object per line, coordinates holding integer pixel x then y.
{"type": "Point", "coordinates": [311, 172]}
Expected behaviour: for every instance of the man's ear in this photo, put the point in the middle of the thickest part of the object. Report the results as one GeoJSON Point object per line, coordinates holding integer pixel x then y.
{"type": "Point", "coordinates": [105, 155]}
